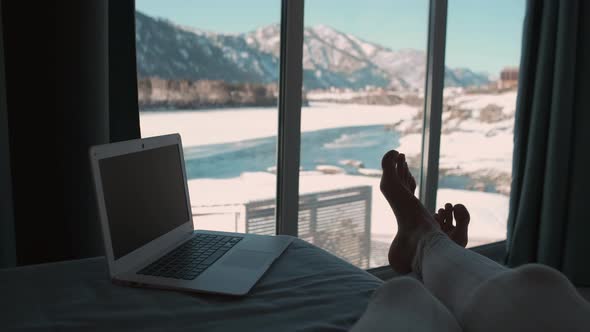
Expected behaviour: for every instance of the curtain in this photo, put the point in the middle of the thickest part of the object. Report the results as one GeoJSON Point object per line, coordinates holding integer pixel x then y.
{"type": "Point", "coordinates": [58, 106]}
{"type": "Point", "coordinates": [549, 221]}
{"type": "Point", "coordinates": [7, 245]}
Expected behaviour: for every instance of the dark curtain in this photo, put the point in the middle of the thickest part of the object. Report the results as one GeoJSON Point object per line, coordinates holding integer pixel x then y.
{"type": "Point", "coordinates": [549, 221]}
{"type": "Point", "coordinates": [7, 246]}
{"type": "Point", "coordinates": [124, 119]}
{"type": "Point", "coordinates": [57, 85]}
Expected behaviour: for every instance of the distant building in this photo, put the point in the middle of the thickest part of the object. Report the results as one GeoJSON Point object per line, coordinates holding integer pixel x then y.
{"type": "Point", "coordinates": [508, 78]}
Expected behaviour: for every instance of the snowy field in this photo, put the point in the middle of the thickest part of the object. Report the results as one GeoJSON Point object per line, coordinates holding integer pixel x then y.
{"type": "Point", "coordinates": [467, 145]}
{"type": "Point", "coordinates": [221, 201]}
{"type": "Point", "coordinates": [489, 211]}
{"type": "Point", "coordinates": [230, 125]}
{"type": "Point", "coordinates": [470, 146]}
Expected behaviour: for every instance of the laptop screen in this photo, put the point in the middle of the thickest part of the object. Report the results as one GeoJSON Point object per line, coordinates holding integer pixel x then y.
{"type": "Point", "coordinates": [145, 196]}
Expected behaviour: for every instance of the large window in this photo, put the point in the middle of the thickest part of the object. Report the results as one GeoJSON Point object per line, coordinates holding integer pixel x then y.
{"type": "Point", "coordinates": [211, 71]}
{"type": "Point", "coordinates": [208, 71]}
{"type": "Point", "coordinates": [364, 69]}
{"type": "Point", "coordinates": [483, 41]}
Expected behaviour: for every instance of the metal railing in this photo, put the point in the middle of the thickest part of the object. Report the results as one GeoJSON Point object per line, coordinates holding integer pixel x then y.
{"type": "Point", "coordinates": [338, 221]}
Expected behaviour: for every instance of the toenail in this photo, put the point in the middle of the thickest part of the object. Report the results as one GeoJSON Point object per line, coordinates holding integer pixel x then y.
{"type": "Point", "coordinates": [386, 158]}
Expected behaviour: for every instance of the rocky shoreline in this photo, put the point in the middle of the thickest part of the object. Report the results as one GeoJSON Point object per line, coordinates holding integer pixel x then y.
{"type": "Point", "coordinates": [459, 118]}
{"type": "Point", "coordinates": [161, 94]}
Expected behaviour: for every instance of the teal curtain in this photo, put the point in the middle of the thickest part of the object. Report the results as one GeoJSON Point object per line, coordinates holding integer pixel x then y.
{"type": "Point", "coordinates": [549, 219]}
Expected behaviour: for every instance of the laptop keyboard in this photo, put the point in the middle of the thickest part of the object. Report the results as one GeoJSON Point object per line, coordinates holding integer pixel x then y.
{"type": "Point", "coordinates": [192, 257]}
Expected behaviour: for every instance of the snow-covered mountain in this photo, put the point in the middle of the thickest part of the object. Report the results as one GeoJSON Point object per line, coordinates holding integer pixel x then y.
{"type": "Point", "coordinates": [330, 58]}
{"type": "Point", "coordinates": [167, 51]}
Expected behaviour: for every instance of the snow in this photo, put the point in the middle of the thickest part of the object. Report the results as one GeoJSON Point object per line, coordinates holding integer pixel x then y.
{"type": "Point", "coordinates": [407, 65]}
{"type": "Point", "coordinates": [329, 169]}
{"type": "Point", "coordinates": [347, 94]}
{"type": "Point", "coordinates": [464, 153]}
{"type": "Point", "coordinates": [475, 147]}
{"type": "Point", "coordinates": [334, 53]}
{"type": "Point", "coordinates": [489, 211]}
{"type": "Point", "coordinates": [452, 91]}
{"type": "Point", "coordinates": [337, 52]}
{"type": "Point", "coordinates": [485, 152]}
{"type": "Point", "coordinates": [267, 39]}
{"type": "Point", "coordinates": [200, 127]}
{"type": "Point", "coordinates": [370, 171]}
{"type": "Point", "coordinates": [368, 48]}
{"type": "Point", "coordinates": [411, 144]}
{"type": "Point", "coordinates": [335, 95]}
{"type": "Point", "coordinates": [507, 101]}
{"type": "Point", "coordinates": [471, 145]}
{"type": "Point", "coordinates": [351, 162]}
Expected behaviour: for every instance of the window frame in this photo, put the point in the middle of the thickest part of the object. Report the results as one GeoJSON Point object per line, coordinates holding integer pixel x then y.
{"type": "Point", "coordinates": [289, 124]}
{"type": "Point", "coordinates": [433, 102]}
{"type": "Point", "coordinates": [289, 114]}
{"type": "Point", "coordinates": [289, 131]}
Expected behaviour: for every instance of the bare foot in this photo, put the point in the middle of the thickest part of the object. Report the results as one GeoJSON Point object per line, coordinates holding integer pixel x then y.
{"type": "Point", "coordinates": [457, 232]}
{"type": "Point", "coordinates": [413, 220]}
{"type": "Point", "coordinates": [444, 217]}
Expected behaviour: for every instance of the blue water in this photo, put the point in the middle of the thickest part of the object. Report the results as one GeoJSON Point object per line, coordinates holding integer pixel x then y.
{"type": "Point", "coordinates": [323, 147]}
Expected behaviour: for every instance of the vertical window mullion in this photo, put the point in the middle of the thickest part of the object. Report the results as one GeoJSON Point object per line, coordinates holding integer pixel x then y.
{"type": "Point", "coordinates": [289, 133]}
{"type": "Point", "coordinates": [435, 72]}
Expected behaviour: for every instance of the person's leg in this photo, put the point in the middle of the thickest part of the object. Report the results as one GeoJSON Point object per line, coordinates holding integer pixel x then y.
{"type": "Point", "coordinates": [532, 297]}
{"type": "Point", "coordinates": [403, 304]}
{"type": "Point", "coordinates": [486, 296]}
{"type": "Point", "coordinates": [479, 292]}
{"type": "Point", "coordinates": [450, 271]}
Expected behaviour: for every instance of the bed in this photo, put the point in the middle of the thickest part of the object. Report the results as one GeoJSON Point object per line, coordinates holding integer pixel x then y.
{"type": "Point", "coordinates": [306, 289]}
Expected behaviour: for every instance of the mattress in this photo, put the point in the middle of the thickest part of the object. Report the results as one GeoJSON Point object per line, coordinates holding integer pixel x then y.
{"type": "Point", "coordinates": [306, 289]}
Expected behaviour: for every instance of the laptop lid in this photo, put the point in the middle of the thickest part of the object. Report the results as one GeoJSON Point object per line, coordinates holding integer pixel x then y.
{"type": "Point", "coordinates": [143, 200]}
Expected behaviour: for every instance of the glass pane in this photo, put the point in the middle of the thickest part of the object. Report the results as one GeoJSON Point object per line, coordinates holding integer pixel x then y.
{"type": "Point", "coordinates": [483, 47]}
{"type": "Point", "coordinates": [209, 71]}
{"type": "Point", "coordinates": [363, 77]}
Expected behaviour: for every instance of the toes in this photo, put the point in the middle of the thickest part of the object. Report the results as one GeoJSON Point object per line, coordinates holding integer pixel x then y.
{"type": "Point", "coordinates": [399, 167]}
{"type": "Point", "coordinates": [389, 176]}
{"type": "Point", "coordinates": [407, 170]}
{"type": "Point", "coordinates": [462, 216]}
{"type": "Point", "coordinates": [403, 167]}
{"type": "Point", "coordinates": [439, 220]}
{"type": "Point", "coordinates": [449, 214]}
{"type": "Point", "coordinates": [388, 161]}
{"type": "Point", "coordinates": [443, 220]}
{"type": "Point", "coordinates": [462, 219]}
{"type": "Point", "coordinates": [412, 184]}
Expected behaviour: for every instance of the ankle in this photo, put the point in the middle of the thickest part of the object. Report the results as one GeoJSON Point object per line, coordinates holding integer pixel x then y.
{"type": "Point", "coordinates": [424, 245]}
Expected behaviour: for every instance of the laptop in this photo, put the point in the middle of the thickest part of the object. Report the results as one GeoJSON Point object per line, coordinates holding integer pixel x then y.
{"type": "Point", "coordinates": [147, 224]}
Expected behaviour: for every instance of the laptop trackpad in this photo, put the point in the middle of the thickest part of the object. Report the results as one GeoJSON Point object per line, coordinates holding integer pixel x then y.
{"type": "Point", "coordinates": [247, 259]}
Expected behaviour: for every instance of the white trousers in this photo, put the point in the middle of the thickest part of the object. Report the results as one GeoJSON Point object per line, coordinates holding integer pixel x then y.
{"type": "Point", "coordinates": [460, 290]}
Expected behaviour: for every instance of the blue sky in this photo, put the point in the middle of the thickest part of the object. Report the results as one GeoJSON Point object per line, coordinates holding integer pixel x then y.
{"type": "Point", "coordinates": [483, 35]}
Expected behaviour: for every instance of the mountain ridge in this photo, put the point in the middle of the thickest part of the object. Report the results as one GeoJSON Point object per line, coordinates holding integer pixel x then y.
{"type": "Point", "coordinates": [331, 58]}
